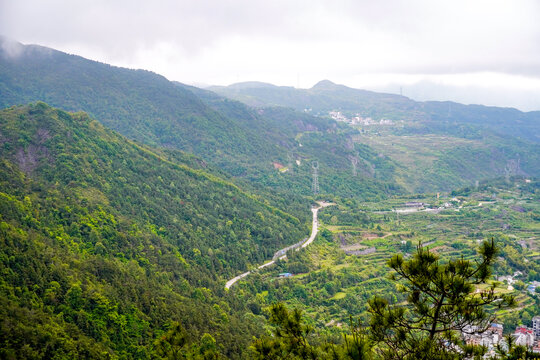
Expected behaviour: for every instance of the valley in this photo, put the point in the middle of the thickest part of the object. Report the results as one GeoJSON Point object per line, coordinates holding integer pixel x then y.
{"type": "Point", "coordinates": [333, 279]}
{"type": "Point", "coordinates": [142, 218]}
{"type": "Point", "coordinates": [431, 146]}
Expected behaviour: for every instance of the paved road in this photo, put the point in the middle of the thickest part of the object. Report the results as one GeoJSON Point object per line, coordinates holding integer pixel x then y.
{"type": "Point", "coordinates": [314, 231]}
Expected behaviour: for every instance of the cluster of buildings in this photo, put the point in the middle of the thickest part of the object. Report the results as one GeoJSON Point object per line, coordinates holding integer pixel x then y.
{"type": "Point", "coordinates": [358, 120]}
{"type": "Point", "coordinates": [529, 337]}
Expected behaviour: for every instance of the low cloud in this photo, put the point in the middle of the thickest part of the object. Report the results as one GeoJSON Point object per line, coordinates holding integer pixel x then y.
{"type": "Point", "coordinates": [280, 41]}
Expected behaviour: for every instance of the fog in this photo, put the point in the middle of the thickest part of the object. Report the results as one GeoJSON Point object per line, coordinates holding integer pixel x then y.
{"type": "Point", "coordinates": [473, 52]}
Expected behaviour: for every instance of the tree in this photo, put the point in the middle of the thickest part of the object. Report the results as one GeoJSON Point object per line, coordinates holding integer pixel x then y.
{"type": "Point", "coordinates": [289, 340]}
{"type": "Point", "coordinates": [357, 345]}
{"type": "Point", "coordinates": [511, 351]}
{"type": "Point", "coordinates": [443, 300]}
{"type": "Point", "coordinates": [172, 344]}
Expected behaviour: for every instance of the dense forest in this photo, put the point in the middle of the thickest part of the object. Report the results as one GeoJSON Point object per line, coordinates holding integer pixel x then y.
{"type": "Point", "coordinates": [106, 242]}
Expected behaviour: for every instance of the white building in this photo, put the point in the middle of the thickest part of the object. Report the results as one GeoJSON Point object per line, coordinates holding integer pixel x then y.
{"type": "Point", "coordinates": [524, 336]}
{"type": "Point", "coordinates": [536, 326]}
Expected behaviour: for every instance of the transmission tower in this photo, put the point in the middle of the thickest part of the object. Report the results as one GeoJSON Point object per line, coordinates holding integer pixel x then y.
{"type": "Point", "coordinates": [315, 185]}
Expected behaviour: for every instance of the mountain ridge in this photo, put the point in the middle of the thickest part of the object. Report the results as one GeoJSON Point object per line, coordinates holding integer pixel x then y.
{"type": "Point", "coordinates": [146, 107]}
{"type": "Point", "coordinates": [326, 96]}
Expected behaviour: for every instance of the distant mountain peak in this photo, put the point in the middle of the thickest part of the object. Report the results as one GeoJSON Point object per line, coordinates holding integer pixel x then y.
{"type": "Point", "coordinates": [324, 84]}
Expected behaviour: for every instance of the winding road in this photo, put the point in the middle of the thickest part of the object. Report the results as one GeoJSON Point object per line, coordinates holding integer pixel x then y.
{"type": "Point", "coordinates": [314, 231]}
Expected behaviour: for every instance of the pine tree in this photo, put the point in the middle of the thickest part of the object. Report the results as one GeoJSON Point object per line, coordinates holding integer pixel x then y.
{"type": "Point", "coordinates": [443, 300]}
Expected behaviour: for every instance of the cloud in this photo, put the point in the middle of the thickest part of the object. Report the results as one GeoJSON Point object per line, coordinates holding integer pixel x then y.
{"type": "Point", "coordinates": [220, 41]}
{"type": "Point", "coordinates": [10, 49]}
{"type": "Point", "coordinates": [124, 26]}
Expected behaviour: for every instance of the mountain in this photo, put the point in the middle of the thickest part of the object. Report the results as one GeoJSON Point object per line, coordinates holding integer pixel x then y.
{"type": "Point", "coordinates": [346, 169]}
{"type": "Point", "coordinates": [140, 104]}
{"type": "Point", "coordinates": [105, 242]}
{"type": "Point", "coordinates": [323, 97]}
{"type": "Point", "coordinates": [271, 148]}
{"type": "Point", "coordinates": [326, 96]}
{"type": "Point", "coordinates": [247, 144]}
{"type": "Point", "coordinates": [435, 146]}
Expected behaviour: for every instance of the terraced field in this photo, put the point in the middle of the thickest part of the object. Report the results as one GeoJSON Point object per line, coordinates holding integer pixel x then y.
{"type": "Point", "coordinates": [346, 265]}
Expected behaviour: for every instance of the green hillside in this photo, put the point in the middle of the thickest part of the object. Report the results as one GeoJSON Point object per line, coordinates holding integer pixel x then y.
{"type": "Point", "coordinates": [435, 146]}
{"type": "Point", "coordinates": [326, 96]}
{"type": "Point", "coordinates": [347, 265]}
{"type": "Point", "coordinates": [105, 242]}
{"type": "Point", "coordinates": [306, 139]}
{"type": "Point", "coordinates": [244, 143]}
{"type": "Point", "coordinates": [139, 104]}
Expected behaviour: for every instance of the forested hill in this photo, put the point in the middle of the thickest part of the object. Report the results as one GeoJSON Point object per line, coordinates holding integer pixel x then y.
{"type": "Point", "coordinates": [246, 144]}
{"type": "Point", "coordinates": [139, 104]}
{"type": "Point", "coordinates": [434, 146]}
{"type": "Point", "coordinates": [327, 96]}
{"type": "Point", "coordinates": [105, 242]}
{"type": "Point", "coordinates": [307, 138]}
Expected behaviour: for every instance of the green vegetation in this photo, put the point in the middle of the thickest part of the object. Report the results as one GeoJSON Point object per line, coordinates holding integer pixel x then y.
{"type": "Point", "coordinates": [346, 265]}
{"type": "Point", "coordinates": [439, 117]}
{"type": "Point", "coordinates": [436, 161]}
{"type": "Point", "coordinates": [117, 248]}
{"type": "Point", "coordinates": [243, 144]}
{"type": "Point", "coordinates": [105, 242]}
{"type": "Point", "coordinates": [442, 301]}
{"type": "Point", "coordinates": [432, 146]}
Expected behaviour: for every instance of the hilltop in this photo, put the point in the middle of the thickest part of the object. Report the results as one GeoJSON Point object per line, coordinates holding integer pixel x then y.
{"type": "Point", "coordinates": [326, 96]}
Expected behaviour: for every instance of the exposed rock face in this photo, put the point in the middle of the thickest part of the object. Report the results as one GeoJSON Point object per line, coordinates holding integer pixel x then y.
{"type": "Point", "coordinates": [28, 158]}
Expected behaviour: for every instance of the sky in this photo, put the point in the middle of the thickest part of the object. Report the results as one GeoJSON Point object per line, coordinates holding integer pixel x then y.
{"type": "Point", "coordinates": [471, 51]}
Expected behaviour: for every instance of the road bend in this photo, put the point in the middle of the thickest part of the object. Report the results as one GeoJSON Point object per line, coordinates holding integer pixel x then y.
{"type": "Point", "coordinates": [314, 231]}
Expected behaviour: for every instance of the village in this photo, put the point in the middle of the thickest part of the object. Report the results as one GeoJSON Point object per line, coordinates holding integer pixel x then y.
{"type": "Point", "coordinates": [358, 119]}
{"type": "Point", "coordinates": [493, 336]}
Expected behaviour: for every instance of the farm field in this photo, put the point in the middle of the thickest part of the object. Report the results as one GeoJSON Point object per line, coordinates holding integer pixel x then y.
{"type": "Point", "coordinates": [346, 265]}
